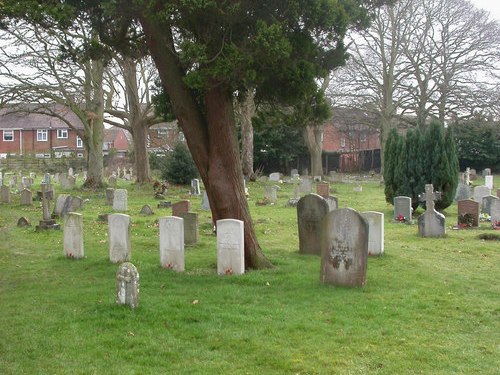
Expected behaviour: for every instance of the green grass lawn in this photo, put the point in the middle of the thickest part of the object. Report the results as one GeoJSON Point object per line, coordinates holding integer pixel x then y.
{"type": "Point", "coordinates": [430, 306]}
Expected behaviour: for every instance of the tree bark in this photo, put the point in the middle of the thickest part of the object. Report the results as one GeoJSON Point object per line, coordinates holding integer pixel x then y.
{"type": "Point", "coordinates": [313, 137]}
{"type": "Point", "coordinates": [247, 112]}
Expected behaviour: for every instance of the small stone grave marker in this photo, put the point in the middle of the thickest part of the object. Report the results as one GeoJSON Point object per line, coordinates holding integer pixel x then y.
{"type": "Point", "coordinates": [375, 222]}
{"type": "Point", "coordinates": [120, 200]}
{"type": "Point", "coordinates": [181, 207]}
{"type": "Point", "coordinates": [230, 247]}
{"type": "Point", "coordinates": [480, 192]}
{"type": "Point", "coordinates": [5, 194]}
{"type": "Point", "coordinates": [323, 189]}
{"type": "Point", "coordinates": [120, 249]}
{"type": "Point", "coordinates": [127, 285]}
{"type": "Point", "coordinates": [488, 182]}
{"type": "Point", "coordinates": [495, 213]}
{"type": "Point", "coordinates": [275, 177]}
{"type": "Point", "coordinates": [172, 243]}
{"type": "Point", "coordinates": [205, 203]}
{"type": "Point", "coordinates": [402, 209]}
{"type": "Point", "coordinates": [190, 228]}
{"type": "Point", "coordinates": [110, 195]}
{"type": "Point", "coordinates": [146, 210]}
{"type": "Point", "coordinates": [73, 235]}
{"type": "Point", "coordinates": [23, 222]}
{"type": "Point", "coordinates": [26, 198]}
{"type": "Point", "coordinates": [311, 210]}
{"type": "Point", "coordinates": [195, 186]}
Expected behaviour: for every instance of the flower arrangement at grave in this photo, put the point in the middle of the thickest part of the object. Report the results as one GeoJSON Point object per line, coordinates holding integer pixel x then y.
{"type": "Point", "coordinates": [401, 218]}
{"type": "Point", "coordinates": [466, 220]}
{"type": "Point", "coordinates": [496, 224]}
{"type": "Point", "coordinates": [484, 217]}
{"type": "Point", "coordinates": [228, 271]}
{"type": "Point", "coordinates": [169, 266]}
{"type": "Point", "coordinates": [160, 188]}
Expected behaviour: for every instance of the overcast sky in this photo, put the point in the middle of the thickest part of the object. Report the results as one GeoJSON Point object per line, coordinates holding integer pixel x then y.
{"type": "Point", "coordinates": [492, 6]}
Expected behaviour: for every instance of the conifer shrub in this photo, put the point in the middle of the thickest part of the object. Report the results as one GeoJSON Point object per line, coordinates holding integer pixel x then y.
{"type": "Point", "coordinates": [179, 167]}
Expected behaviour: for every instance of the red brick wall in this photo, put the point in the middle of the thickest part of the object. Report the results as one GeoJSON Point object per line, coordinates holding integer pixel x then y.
{"type": "Point", "coordinates": [31, 145]}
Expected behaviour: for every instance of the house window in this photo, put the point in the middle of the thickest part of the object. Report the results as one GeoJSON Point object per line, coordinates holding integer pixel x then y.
{"type": "Point", "coordinates": [8, 135]}
{"type": "Point", "coordinates": [79, 142]}
{"type": "Point", "coordinates": [41, 135]}
{"type": "Point", "coordinates": [62, 133]}
{"type": "Point", "coordinates": [342, 142]}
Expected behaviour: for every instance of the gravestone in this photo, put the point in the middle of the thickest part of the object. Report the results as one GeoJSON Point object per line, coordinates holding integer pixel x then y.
{"type": "Point", "coordinates": [323, 189]}
{"type": "Point", "coordinates": [73, 235]}
{"type": "Point", "coordinates": [431, 223]}
{"type": "Point", "coordinates": [112, 181]}
{"type": "Point", "coordinates": [27, 182]}
{"type": "Point", "coordinates": [110, 196]}
{"type": "Point", "coordinates": [357, 189]}
{"type": "Point", "coordinates": [59, 205]}
{"type": "Point", "coordinates": [190, 228]}
{"type": "Point", "coordinates": [26, 198]}
{"type": "Point", "coordinates": [23, 222]}
{"type": "Point", "coordinates": [70, 172]}
{"type": "Point", "coordinates": [47, 222]}
{"type": "Point", "coordinates": [230, 247]}
{"type": "Point", "coordinates": [120, 249]}
{"type": "Point", "coordinates": [5, 194]}
{"type": "Point", "coordinates": [486, 204]}
{"type": "Point", "coordinates": [486, 172]}
{"type": "Point", "coordinates": [71, 182]}
{"type": "Point", "coordinates": [71, 204]}
{"type": "Point", "coordinates": [172, 243]}
{"type": "Point", "coordinates": [375, 222]}
{"type": "Point", "coordinates": [344, 245]}
{"type": "Point", "coordinates": [473, 174]}
{"type": "Point", "coordinates": [195, 186]}
{"type": "Point", "coordinates": [480, 192]}
{"type": "Point", "coordinates": [127, 285]}
{"type": "Point", "coordinates": [275, 177]}
{"type": "Point", "coordinates": [146, 210]}
{"type": "Point", "coordinates": [181, 207]}
{"type": "Point", "coordinates": [463, 192]}
{"type": "Point", "coordinates": [120, 200]}
{"type": "Point", "coordinates": [333, 202]}
{"type": "Point", "coordinates": [467, 176]}
{"type": "Point", "coordinates": [311, 211]}
{"type": "Point", "coordinates": [205, 203]}
{"type": "Point", "coordinates": [402, 208]}
{"type": "Point", "coordinates": [305, 186]}
{"type": "Point", "coordinates": [469, 206]}
{"type": "Point", "coordinates": [49, 191]}
{"type": "Point", "coordinates": [488, 181]}
{"type": "Point", "coordinates": [271, 194]}
{"type": "Point", "coordinates": [294, 172]}
{"type": "Point", "coordinates": [495, 213]}
{"type": "Point", "coordinates": [63, 180]}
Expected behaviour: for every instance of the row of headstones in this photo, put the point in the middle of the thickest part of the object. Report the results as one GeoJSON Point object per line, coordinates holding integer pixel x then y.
{"type": "Point", "coordinates": [491, 206]}
{"type": "Point", "coordinates": [26, 195]}
{"type": "Point", "coordinates": [464, 190]}
{"type": "Point", "coordinates": [230, 241]}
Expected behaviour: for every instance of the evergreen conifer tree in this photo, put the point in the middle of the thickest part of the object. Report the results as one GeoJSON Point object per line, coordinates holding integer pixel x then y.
{"type": "Point", "coordinates": [389, 158]}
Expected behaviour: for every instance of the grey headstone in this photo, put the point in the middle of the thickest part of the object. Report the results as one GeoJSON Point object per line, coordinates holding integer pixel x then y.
{"type": "Point", "coordinates": [146, 210]}
{"type": "Point", "coordinates": [487, 202]}
{"type": "Point", "coordinates": [431, 223]}
{"type": "Point", "coordinates": [23, 222]}
{"type": "Point", "coordinates": [480, 192]}
{"type": "Point", "coordinates": [127, 285]}
{"type": "Point", "coordinates": [120, 200]}
{"type": "Point", "coordinates": [488, 181]}
{"type": "Point", "coordinates": [120, 249]}
{"type": "Point", "coordinates": [344, 254]}
{"type": "Point", "coordinates": [205, 203]}
{"type": "Point", "coordinates": [73, 235]}
{"type": "Point", "coordinates": [275, 177]}
{"type": "Point", "coordinates": [333, 202]}
{"type": "Point", "coordinates": [375, 222]}
{"type": "Point", "coordinates": [71, 204]}
{"type": "Point", "coordinates": [172, 243]}
{"type": "Point", "coordinates": [271, 193]}
{"type": "Point", "coordinates": [59, 205]}
{"type": "Point", "coordinates": [26, 198]}
{"type": "Point", "coordinates": [463, 192]}
{"type": "Point", "coordinates": [294, 172]}
{"type": "Point", "coordinates": [495, 212]}
{"type": "Point", "coordinates": [402, 206]}
{"type": "Point", "coordinates": [110, 195]}
{"type": "Point", "coordinates": [195, 186]}
{"type": "Point", "coordinates": [112, 181]}
{"type": "Point", "coordinates": [5, 194]}
{"type": "Point", "coordinates": [230, 247]}
{"type": "Point", "coordinates": [190, 228]}
{"type": "Point", "coordinates": [305, 186]}
{"type": "Point", "coordinates": [311, 210]}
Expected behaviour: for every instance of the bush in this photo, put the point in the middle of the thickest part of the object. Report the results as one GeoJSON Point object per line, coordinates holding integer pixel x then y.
{"type": "Point", "coordinates": [179, 167]}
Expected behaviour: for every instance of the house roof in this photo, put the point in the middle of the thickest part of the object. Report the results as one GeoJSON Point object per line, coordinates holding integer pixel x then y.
{"type": "Point", "coordinates": [33, 116]}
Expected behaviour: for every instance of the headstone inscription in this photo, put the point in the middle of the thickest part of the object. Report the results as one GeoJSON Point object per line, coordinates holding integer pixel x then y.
{"type": "Point", "coordinates": [120, 200]}
{"type": "Point", "coordinates": [402, 209]}
{"type": "Point", "coordinates": [375, 221]}
{"type": "Point", "coordinates": [120, 249]}
{"type": "Point", "coordinates": [470, 207]}
{"type": "Point", "coordinates": [344, 253]}
{"type": "Point", "coordinates": [73, 235]}
{"type": "Point", "coordinates": [127, 285]}
{"type": "Point", "coordinates": [230, 247]}
{"type": "Point", "coordinates": [431, 223]}
{"type": "Point", "coordinates": [172, 243]}
{"type": "Point", "coordinates": [311, 210]}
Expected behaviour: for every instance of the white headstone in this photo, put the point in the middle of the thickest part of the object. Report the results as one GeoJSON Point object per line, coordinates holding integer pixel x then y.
{"type": "Point", "coordinates": [172, 243]}
{"type": "Point", "coordinates": [120, 249]}
{"type": "Point", "coordinates": [230, 247]}
{"type": "Point", "coordinates": [480, 192]}
{"type": "Point", "coordinates": [73, 235]}
{"type": "Point", "coordinates": [120, 200]}
{"type": "Point", "coordinates": [488, 181]}
{"type": "Point", "coordinates": [275, 176]}
{"type": "Point", "coordinates": [127, 285]}
{"type": "Point", "coordinates": [375, 222]}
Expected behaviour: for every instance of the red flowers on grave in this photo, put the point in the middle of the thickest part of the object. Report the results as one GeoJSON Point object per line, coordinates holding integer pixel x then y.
{"type": "Point", "coordinates": [496, 224]}
{"type": "Point", "coordinates": [169, 266]}
{"type": "Point", "coordinates": [401, 219]}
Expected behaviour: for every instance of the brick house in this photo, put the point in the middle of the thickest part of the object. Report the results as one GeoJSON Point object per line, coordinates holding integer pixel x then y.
{"type": "Point", "coordinates": [40, 134]}
{"type": "Point", "coordinates": [118, 139]}
{"type": "Point", "coordinates": [163, 137]}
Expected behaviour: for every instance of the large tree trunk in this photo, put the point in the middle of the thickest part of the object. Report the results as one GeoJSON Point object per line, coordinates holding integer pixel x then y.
{"type": "Point", "coordinates": [143, 171]}
{"type": "Point", "coordinates": [313, 137]}
{"type": "Point", "coordinates": [211, 137]}
{"type": "Point", "coordinates": [247, 111]}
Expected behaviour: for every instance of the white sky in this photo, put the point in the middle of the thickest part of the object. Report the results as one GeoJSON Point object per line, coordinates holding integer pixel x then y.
{"type": "Point", "coordinates": [492, 6]}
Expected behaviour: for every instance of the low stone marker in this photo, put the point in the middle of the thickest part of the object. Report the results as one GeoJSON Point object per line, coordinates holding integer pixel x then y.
{"type": "Point", "coordinates": [120, 249]}
{"type": "Point", "coordinates": [323, 189]}
{"type": "Point", "coordinates": [402, 209]}
{"type": "Point", "coordinates": [23, 222]}
{"type": "Point", "coordinates": [311, 210]}
{"type": "Point", "coordinates": [112, 181]}
{"type": "Point", "coordinates": [120, 200]}
{"type": "Point", "coordinates": [495, 213]}
{"type": "Point", "coordinates": [275, 176]}
{"type": "Point", "coordinates": [344, 254]}
{"type": "Point", "coordinates": [26, 198]}
{"type": "Point", "coordinates": [172, 243]}
{"type": "Point", "coordinates": [190, 228]}
{"type": "Point", "coordinates": [431, 223]}
{"type": "Point", "coordinates": [146, 210]}
{"type": "Point", "coordinates": [164, 204]}
{"type": "Point", "coordinates": [127, 285]}
{"type": "Point", "coordinates": [73, 235]}
{"type": "Point", "coordinates": [271, 194]}
{"type": "Point", "coordinates": [333, 202]}
{"type": "Point", "coordinates": [110, 195]}
{"type": "Point", "coordinates": [230, 247]}
{"type": "Point", "coordinates": [181, 207]}
{"type": "Point", "coordinates": [5, 194]}
{"type": "Point", "coordinates": [375, 222]}
{"type": "Point", "coordinates": [471, 207]}
{"type": "Point", "coordinates": [205, 203]}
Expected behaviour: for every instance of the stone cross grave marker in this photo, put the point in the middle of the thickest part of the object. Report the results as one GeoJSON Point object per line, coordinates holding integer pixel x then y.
{"type": "Point", "coordinates": [344, 254]}
{"type": "Point", "coordinates": [73, 235]}
{"type": "Point", "coordinates": [469, 206]}
{"type": "Point", "coordinates": [230, 247]}
{"type": "Point", "coordinates": [127, 285]}
{"type": "Point", "coordinates": [402, 209]}
{"type": "Point", "coordinates": [172, 243]}
{"type": "Point", "coordinates": [431, 223]}
{"type": "Point", "coordinates": [120, 249]}
{"type": "Point", "coordinates": [311, 210]}
{"type": "Point", "coordinates": [375, 221]}
{"type": "Point", "coordinates": [47, 222]}
{"type": "Point", "coordinates": [120, 200]}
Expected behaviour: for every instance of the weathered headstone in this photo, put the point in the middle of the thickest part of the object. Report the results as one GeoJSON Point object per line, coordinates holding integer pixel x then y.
{"type": "Point", "coordinates": [127, 285]}
{"type": "Point", "coordinates": [71, 204]}
{"type": "Point", "coordinates": [486, 172]}
{"type": "Point", "coordinates": [487, 202]}
{"type": "Point", "coordinates": [488, 181]}
{"type": "Point", "coordinates": [110, 196]}
{"type": "Point", "coordinates": [294, 172]}
{"type": "Point", "coordinates": [271, 194]}
{"type": "Point", "coordinates": [112, 181]}
{"type": "Point", "coordinates": [59, 205]}
{"type": "Point", "coordinates": [180, 207]}
{"type": "Point", "coordinates": [27, 182]}
{"type": "Point", "coordinates": [120, 249]}
{"type": "Point", "coordinates": [463, 192]}
{"type": "Point", "coordinates": [70, 172]}
{"type": "Point", "coordinates": [164, 204]}
{"type": "Point", "coordinates": [311, 210]}
{"type": "Point", "coordinates": [495, 213]}
{"type": "Point", "coordinates": [146, 210]}
{"type": "Point", "coordinates": [469, 206]}
{"type": "Point", "coordinates": [73, 235]}
{"type": "Point", "coordinates": [431, 223]}
{"type": "Point", "coordinates": [480, 192]}
{"type": "Point", "coordinates": [375, 222]}
{"type": "Point", "coordinates": [71, 182]}
{"type": "Point", "coordinates": [467, 176]}
{"type": "Point", "coordinates": [205, 203]}
{"type": "Point", "coordinates": [275, 177]}
{"type": "Point", "coordinates": [63, 180]}
{"type": "Point", "coordinates": [333, 202]}
{"type": "Point", "coordinates": [190, 228]}
{"type": "Point", "coordinates": [172, 243]}
{"type": "Point", "coordinates": [195, 187]}
{"type": "Point", "coordinates": [323, 189]}
{"type": "Point", "coordinates": [230, 247]}
{"type": "Point", "coordinates": [26, 198]}
{"type": "Point", "coordinates": [344, 253]}
{"type": "Point", "coordinates": [473, 174]}
{"type": "Point", "coordinates": [23, 222]}
{"type": "Point", "coordinates": [5, 194]}
{"type": "Point", "coordinates": [305, 186]}
{"type": "Point", "coordinates": [120, 200]}
{"type": "Point", "coordinates": [402, 209]}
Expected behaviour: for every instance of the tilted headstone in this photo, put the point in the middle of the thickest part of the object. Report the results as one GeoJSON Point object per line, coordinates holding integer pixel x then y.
{"type": "Point", "coordinates": [71, 204]}
{"type": "Point", "coordinates": [127, 285]}
{"type": "Point", "coordinates": [375, 222]}
{"type": "Point", "coordinates": [463, 192]}
{"type": "Point", "coordinates": [110, 196]}
{"type": "Point", "coordinates": [146, 210]}
{"type": "Point", "coordinates": [59, 205]}
{"type": "Point", "coordinates": [431, 223]}
{"type": "Point", "coordinates": [63, 180]}
{"type": "Point", "coordinates": [23, 222]}
{"type": "Point", "coordinates": [181, 207]}
{"type": "Point", "coordinates": [190, 228]}
{"type": "Point", "coordinates": [480, 192]}
{"type": "Point", "coordinates": [172, 243]}
{"type": "Point", "coordinates": [112, 181]}
{"type": "Point", "coordinates": [230, 247]}
{"type": "Point", "coordinates": [120, 249]}
{"type": "Point", "coordinates": [469, 206]}
{"type": "Point", "coordinates": [205, 203]}
{"type": "Point", "coordinates": [26, 198]}
{"type": "Point", "coordinates": [495, 212]}
{"type": "Point", "coordinates": [120, 200]}
{"type": "Point", "coordinates": [487, 202]}
{"type": "Point", "coordinates": [311, 211]}
{"type": "Point", "coordinates": [488, 181]}
{"type": "Point", "coordinates": [323, 189]}
{"type": "Point", "coordinates": [195, 186]}
{"type": "Point", "coordinates": [402, 208]}
{"type": "Point", "coordinates": [275, 177]}
{"type": "Point", "coordinates": [5, 194]}
{"type": "Point", "coordinates": [333, 202]}
{"type": "Point", "coordinates": [344, 253]}
{"type": "Point", "coordinates": [73, 235]}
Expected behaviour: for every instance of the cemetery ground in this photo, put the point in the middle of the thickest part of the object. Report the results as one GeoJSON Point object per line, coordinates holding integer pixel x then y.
{"type": "Point", "coordinates": [430, 305]}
